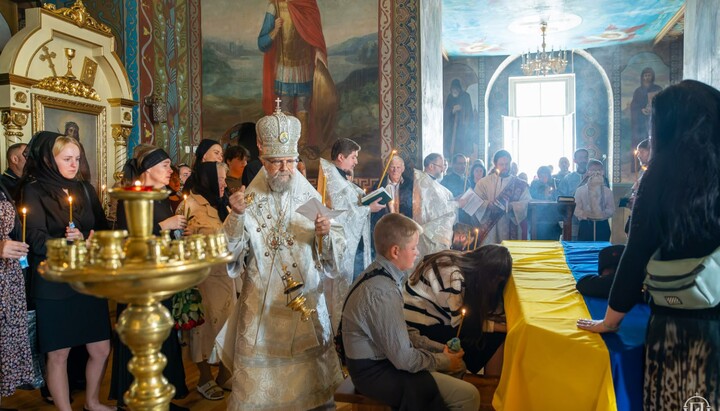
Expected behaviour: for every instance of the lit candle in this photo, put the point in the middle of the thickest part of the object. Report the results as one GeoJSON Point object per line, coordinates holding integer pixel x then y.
{"type": "Point", "coordinates": [476, 238]}
{"type": "Point", "coordinates": [636, 162]}
{"type": "Point", "coordinates": [24, 222]}
{"type": "Point", "coordinates": [387, 165]}
{"type": "Point", "coordinates": [462, 317]}
{"type": "Point", "coordinates": [322, 197]}
{"type": "Point", "coordinates": [70, 202]}
{"type": "Point", "coordinates": [187, 209]}
{"type": "Point", "coordinates": [467, 170]}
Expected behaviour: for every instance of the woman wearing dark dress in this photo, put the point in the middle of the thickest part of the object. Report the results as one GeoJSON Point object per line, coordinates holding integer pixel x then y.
{"type": "Point", "coordinates": [65, 318]}
{"type": "Point", "coordinates": [15, 357]}
{"type": "Point", "coordinates": [151, 166]}
{"type": "Point", "coordinates": [679, 215]}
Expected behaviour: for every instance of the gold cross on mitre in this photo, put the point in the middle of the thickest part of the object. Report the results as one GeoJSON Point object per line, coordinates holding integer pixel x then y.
{"type": "Point", "coordinates": [277, 105]}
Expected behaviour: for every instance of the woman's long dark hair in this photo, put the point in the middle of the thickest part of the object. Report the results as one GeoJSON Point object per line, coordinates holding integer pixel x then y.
{"type": "Point", "coordinates": [685, 135]}
{"type": "Point", "coordinates": [486, 270]}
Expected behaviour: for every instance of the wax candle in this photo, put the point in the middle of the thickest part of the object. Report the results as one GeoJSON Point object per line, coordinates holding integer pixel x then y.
{"type": "Point", "coordinates": [476, 238]}
{"type": "Point", "coordinates": [462, 317]}
{"type": "Point", "coordinates": [467, 170]}
{"type": "Point", "coordinates": [24, 222]}
{"type": "Point", "coordinates": [70, 202]}
{"type": "Point", "coordinates": [387, 165]}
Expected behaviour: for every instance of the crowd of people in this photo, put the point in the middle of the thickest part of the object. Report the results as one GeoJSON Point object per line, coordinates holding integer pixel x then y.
{"type": "Point", "coordinates": [390, 278]}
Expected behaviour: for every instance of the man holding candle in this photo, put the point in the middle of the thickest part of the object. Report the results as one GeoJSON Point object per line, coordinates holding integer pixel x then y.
{"type": "Point", "coordinates": [278, 339]}
{"type": "Point", "coordinates": [342, 194]}
{"type": "Point", "coordinates": [388, 361]}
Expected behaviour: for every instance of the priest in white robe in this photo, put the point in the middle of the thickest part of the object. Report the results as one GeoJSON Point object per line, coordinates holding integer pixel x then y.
{"type": "Point", "coordinates": [279, 337]}
{"type": "Point", "coordinates": [504, 203]}
{"type": "Point", "coordinates": [342, 194]}
{"type": "Point", "coordinates": [433, 207]}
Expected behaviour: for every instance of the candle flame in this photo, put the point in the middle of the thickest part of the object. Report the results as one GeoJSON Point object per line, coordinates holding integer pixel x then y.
{"type": "Point", "coordinates": [476, 231]}
{"type": "Point", "coordinates": [137, 183]}
{"type": "Point", "coordinates": [184, 196]}
{"type": "Point", "coordinates": [24, 210]}
{"type": "Point", "coordinates": [70, 199]}
{"type": "Point", "coordinates": [462, 313]}
{"type": "Point", "coordinates": [103, 187]}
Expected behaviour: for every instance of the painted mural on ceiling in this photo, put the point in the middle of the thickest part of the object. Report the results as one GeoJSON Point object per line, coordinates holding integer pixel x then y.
{"type": "Point", "coordinates": [504, 27]}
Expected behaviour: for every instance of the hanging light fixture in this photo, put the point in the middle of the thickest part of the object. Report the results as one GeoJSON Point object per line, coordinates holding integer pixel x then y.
{"type": "Point", "coordinates": [543, 62]}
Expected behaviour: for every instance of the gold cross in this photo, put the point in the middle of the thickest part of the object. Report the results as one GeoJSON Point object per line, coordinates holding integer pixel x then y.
{"type": "Point", "coordinates": [277, 105]}
{"type": "Point", "coordinates": [49, 56]}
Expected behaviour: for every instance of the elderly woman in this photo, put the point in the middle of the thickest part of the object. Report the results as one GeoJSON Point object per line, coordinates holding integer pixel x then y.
{"type": "Point", "coordinates": [675, 218]}
{"type": "Point", "coordinates": [65, 318]}
{"type": "Point", "coordinates": [205, 207]}
{"type": "Point", "coordinates": [151, 166]}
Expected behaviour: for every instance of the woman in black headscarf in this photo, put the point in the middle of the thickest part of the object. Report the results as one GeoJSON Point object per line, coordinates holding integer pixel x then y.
{"type": "Point", "coordinates": [151, 166]}
{"type": "Point", "coordinates": [207, 212]}
{"type": "Point", "coordinates": [207, 151]}
{"type": "Point", "coordinates": [65, 318]}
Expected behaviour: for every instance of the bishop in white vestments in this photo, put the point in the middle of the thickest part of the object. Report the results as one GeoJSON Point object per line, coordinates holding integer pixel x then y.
{"type": "Point", "coordinates": [279, 337]}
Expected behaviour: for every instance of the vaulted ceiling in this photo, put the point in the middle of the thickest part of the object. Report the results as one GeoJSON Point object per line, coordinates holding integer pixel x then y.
{"type": "Point", "coordinates": [503, 27]}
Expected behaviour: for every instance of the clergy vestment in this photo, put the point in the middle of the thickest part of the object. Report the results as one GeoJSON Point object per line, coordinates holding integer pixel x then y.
{"type": "Point", "coordinates": [491, 190]}
{"type": "Point", "coordinates": [435, 210]}
{"type": "Point", "coordinates": [341, 194]}
{"type": "Point", "coordinates": [280, 362]}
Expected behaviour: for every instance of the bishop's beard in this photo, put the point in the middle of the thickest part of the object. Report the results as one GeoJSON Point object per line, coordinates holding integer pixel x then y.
{"type": "Point", "coordinates": [281, 181]}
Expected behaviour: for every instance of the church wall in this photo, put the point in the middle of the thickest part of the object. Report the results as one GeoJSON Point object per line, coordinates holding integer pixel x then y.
{"type": "Point", "coordinates": [622, 65]}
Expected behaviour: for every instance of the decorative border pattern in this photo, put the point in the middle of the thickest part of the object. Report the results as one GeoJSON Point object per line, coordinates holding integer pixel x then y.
{"type": "Point", "coordinates": [385, 68]}
{"type": "Point", "coordinates": [195, 77]}
{"type": "Point", "coordinates": [617, 115]}
{"type": "Point", "coordinates": [131, 35]}
{"type": "Point", "coordinates": [146, 34]}
{"type": "Point", "coordinates": [406, 91]}
{"type": "Point", "coordinates": [676, 60]}
{"type": "Point", "coordinates": [174, 67]}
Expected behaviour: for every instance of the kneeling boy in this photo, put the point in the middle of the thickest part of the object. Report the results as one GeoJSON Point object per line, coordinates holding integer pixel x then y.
{"type": "Point", "coordinates": [386, 360]}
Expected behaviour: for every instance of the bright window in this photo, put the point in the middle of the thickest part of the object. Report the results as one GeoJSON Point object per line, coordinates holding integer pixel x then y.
{"type": "Point", "coordinates": [541, 126]}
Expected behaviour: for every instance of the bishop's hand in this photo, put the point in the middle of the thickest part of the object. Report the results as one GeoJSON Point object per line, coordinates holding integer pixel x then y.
{"type": "Point", "coordinates": [322, 225]}
{"type": "Point", "coordinates": [237, 201]}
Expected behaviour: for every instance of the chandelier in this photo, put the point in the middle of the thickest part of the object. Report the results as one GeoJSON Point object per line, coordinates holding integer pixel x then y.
{"type": "Point", "coordinates": [543, 62]}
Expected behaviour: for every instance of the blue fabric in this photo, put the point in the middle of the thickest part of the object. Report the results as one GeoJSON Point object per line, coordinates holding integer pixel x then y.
{"type": "Point", "coordinates": [627, 346]}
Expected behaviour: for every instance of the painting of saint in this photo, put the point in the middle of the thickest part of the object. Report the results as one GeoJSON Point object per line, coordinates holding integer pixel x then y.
{"type": "Point", "coordinates": [295, 69]}
{"type": "Point", "coordinates": [640, 106]}
{"type": "Point", "coordinates": [457, 121]}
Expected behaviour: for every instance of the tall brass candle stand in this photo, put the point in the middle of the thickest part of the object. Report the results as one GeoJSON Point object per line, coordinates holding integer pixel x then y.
{"type": "Point", "coordinates": [139, 269]}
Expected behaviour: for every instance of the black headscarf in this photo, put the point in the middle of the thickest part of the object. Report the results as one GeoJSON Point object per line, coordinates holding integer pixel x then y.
{"type": "Point", "coordinates": [41, 162]}
{"type": "Point", "coordinates": [205, 183]}
{"type": "Point", "coordinates": [132, 169]}
{"type": "Point", "coordinates": [203, 148]}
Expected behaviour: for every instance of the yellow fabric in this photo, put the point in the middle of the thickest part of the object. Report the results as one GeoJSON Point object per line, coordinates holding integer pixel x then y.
{"type": "Point", "coordinates": [549, 364]}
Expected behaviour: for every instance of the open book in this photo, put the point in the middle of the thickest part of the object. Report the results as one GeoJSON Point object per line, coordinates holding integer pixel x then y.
{"type": "Point", "coordinates": [472, 201]}
{"type": "Point", "coordinates": [380, 193]}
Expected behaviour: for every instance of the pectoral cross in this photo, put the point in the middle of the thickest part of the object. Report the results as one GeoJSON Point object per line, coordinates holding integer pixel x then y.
{"type": "Point", "coordinates": [49, 56]}
{"type": "Point", "coordinates": [277, 104]}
